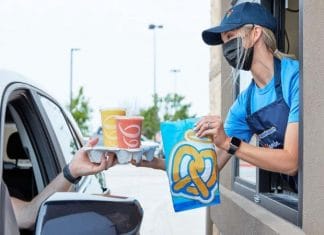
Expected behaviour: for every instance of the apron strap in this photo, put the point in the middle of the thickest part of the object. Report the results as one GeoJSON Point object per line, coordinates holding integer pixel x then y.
{"type": "Point", "coordinates": [277, 77]}
{"type": "Point", "coordinates": [248, 98]}
{"type": "Point", "coordinates": [277, 68]}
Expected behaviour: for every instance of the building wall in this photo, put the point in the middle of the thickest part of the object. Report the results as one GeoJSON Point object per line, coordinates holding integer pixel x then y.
{"type": "Point", "coordinates": [221, 85]}
{"type": "Point", "coordinates": [237, 215]}
{"type": "Point", "coordinates": [312, 23]}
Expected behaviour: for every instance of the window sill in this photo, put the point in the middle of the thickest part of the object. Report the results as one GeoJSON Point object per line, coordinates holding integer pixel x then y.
{"type": "Point", "coordinates": [247, 216]}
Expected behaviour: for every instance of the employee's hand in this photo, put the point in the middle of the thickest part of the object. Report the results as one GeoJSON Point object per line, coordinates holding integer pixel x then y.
{"type": "Point", "coordinates": [156, 163]}
{"type": "Point", "coordinates": [212, 126]}
{"type": "Point", "coordinates": [81, 165]}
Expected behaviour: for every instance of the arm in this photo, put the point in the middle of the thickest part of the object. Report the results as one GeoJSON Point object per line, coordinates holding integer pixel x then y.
{"type": "Point", "coordinates": [159, 164]}
{"type": "Point", "coordinates": [277, 160]}
{"type": "Point", "coordinates": [26, 212]}
{"type": "Point", "coordinates": [222, 158]}
{"type": "Point", "coordinates": [156, 163]}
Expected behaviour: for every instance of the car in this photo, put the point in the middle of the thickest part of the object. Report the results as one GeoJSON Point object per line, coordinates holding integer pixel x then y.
{"type": "Point", "coordinates": [38, 138]}
{"type": "Point", "coordinates": [144, 141]}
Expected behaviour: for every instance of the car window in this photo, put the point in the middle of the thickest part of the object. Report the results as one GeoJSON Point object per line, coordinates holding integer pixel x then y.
{"type": "Point", "coordinates": [62, 129]}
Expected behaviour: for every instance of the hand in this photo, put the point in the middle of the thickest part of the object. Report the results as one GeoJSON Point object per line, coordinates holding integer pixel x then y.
{"type": "Point", "coordinates": [213, 127]}
{"type": "Point", "coordinates": [156, 163]}
{"type": "Point", "coordinates": [82, 166]}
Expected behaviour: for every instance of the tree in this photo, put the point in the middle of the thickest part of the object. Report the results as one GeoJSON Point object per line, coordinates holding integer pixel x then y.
{"type": "Point", "coordinates": [81, 111]}
{"type": "Point", "coordinates": [170, 107]}
{"type": "Point", "coordinates": [174, 109]}
{"type": "Point", "coordinates": [151, 123]}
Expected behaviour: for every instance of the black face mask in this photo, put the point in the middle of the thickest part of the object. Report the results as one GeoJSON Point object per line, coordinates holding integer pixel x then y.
{"type": "Point", "coordinates": [234, 52]}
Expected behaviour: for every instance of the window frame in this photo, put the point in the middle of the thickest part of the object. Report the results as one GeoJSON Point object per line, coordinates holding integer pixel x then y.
{"type": "Point", "coordinates": [76, 136]}
{"type": "Point", "coordinates": [22, 104]}
{"type": "Point", "coordinates": [247, 189]}
{"type": "Point", "coordinates": [37, 170]}
{"type": "Point", "coordinates": [254, 192]}
{"type": "Point", "coordinates": [38, 94]}
{"type": "Point", "coordinates": [22, 99]}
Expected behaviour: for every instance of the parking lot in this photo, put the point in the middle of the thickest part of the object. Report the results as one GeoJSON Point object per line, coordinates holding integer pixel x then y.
{"type": "Point", "coordinates": [150, 187]}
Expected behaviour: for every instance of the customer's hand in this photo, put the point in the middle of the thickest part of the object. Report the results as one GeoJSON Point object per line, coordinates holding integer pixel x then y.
{"type": "Point", "coordinates": [212, 126]}
{"type": "Point", "coordinates": [156, 163]}
{"type": "Point", "coordinates": [82, 166]}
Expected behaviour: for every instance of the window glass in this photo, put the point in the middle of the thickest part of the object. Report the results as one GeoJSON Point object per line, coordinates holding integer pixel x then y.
{"type": "Point", "coordinates": [247, 172]}
{"type": "Point", "coordinates": [61, 128]}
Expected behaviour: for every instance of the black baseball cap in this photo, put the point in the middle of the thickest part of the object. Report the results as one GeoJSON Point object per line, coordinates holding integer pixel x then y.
{"type": "Point", "coordinates": [236, 17]}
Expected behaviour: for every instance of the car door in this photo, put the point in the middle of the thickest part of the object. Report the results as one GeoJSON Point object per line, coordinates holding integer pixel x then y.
{"type": "Point", "coordinates": [28, 157]}
{"type": "Point", "coordinates": [37, 154]}
{"type": "Point", "coordinates": [48, 134]}
{"type": "Point", "coordinates": [66, 136]}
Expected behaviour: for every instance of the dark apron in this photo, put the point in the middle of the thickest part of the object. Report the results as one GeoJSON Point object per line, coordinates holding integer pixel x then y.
{"type": "Point", "coordinates": [270, 122]}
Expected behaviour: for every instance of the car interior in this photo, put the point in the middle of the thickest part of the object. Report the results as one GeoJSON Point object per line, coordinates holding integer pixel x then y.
{"type": "Point", "coordinates": [18, 172]}
{"type": "Point", "coordinates": [17, 167]}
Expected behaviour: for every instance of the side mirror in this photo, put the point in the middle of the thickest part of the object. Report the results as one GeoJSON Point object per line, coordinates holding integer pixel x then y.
{"type": "Point", "coordinates": [77, 213]}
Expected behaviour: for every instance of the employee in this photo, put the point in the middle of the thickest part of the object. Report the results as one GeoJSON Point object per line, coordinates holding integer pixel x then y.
{"type": "Point", "coordinates": [268, 108]}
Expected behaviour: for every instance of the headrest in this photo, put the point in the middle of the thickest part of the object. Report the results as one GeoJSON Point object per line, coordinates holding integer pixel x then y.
{"type": "Point", "coordinates": [15, 148]}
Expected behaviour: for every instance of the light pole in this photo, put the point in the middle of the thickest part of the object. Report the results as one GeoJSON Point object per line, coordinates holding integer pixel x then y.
{"type": "Point", "coordinates": [154, 27]}
{"type": "Point", "coordinates": [175, 71]}
{"type": "Point", "coordinates": [71, 73]}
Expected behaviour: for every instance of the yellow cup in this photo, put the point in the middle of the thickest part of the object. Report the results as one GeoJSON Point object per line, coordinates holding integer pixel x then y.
{"type": "Point", "coordinates": [109, 125]}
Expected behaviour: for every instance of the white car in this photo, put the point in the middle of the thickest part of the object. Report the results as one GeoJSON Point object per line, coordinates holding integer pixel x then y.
{"type": "Point", "coordinates": [38, 138]}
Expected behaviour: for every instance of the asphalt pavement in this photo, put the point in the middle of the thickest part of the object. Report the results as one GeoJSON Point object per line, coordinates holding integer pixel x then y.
{"type": "Point", "coordinates": [151, 188]}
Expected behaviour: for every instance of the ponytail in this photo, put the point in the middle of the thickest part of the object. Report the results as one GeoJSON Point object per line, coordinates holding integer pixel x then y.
{"type": "Point", "coordinates": [269, 40]}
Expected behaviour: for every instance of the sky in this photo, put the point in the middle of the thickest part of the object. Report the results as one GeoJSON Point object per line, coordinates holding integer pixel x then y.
{"type": "Point", "coordinates": [115, 60]}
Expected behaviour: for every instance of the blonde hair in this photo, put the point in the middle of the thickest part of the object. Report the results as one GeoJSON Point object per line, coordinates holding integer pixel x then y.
{"type": "Point", "coordinates": [270, 41]}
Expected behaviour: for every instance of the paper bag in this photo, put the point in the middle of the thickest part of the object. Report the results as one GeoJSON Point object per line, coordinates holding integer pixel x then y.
{"type": "Point", "coordinates": [191, 164]}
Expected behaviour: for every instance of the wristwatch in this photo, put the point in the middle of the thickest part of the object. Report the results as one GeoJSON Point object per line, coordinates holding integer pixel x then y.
{"type": "Point", "coordinates": [234, 145]}
{"type": "Point", "coordinates": [68, 176]}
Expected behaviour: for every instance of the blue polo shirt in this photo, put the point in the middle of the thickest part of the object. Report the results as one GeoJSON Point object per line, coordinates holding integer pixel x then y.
{"type": "Point", "coordinates": [236, 125]}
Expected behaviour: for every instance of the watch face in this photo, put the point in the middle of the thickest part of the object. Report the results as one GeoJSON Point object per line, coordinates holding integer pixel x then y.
{"type": "Point", "coordinates": [235, 141]}
{"type": "Point", "coordinates": [234, 145]}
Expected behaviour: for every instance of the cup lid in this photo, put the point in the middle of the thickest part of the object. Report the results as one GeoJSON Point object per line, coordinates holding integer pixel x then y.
{"type": "Point", "coordinates": [112, 109]}
{"type": "Point", "coordinates": [129, 117]}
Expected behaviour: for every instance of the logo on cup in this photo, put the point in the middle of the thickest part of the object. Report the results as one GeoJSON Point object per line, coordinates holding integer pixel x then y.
{"type": "Point", "coordinates": [131, 135]}
{"type": "Point", "coordinates": [110, 129]}
{"type": "Point", "coordinates": [109, 125]}
{"type": "Point", "coordinates": [129, 131]}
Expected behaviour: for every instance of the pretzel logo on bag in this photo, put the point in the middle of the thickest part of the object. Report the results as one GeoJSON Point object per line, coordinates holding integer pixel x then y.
{"type": "Point", "coordinates": [193, 171]}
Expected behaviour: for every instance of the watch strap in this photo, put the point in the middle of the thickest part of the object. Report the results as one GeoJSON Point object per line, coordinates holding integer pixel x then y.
{"type": "Point", "coordinates": [68, 176]}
